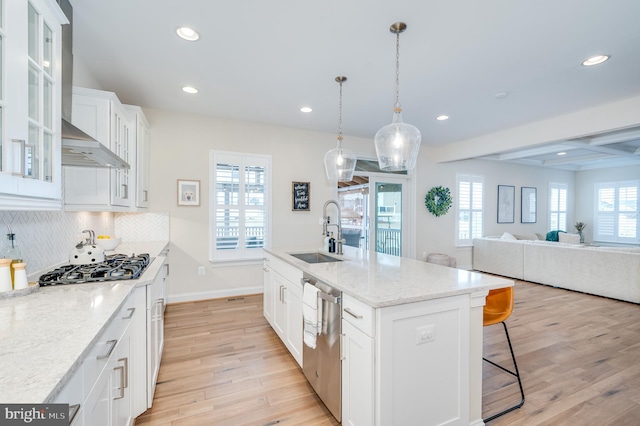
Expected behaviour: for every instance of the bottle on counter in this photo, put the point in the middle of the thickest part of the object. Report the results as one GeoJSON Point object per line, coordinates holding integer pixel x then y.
{"type": "Point", "coordinates": [325, 246]}
{"type": "Point", "coordinates": [5, 275]}
{"type": "Point", "coordinates": [12, 252]}
{"type": "Point", "coordinates": [332, 244]}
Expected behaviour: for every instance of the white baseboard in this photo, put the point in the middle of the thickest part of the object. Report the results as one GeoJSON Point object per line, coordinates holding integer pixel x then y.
{"type": "Point", "coordinates": [214, 294]}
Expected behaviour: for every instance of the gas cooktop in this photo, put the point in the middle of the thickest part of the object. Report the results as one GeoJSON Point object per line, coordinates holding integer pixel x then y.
{"type": "Point", "coordinates": [116, 267]}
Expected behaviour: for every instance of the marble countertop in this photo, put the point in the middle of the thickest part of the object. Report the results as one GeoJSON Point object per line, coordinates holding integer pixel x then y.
{"type": "Point", "coordinates": [381, 280]}
{"type": "Point", "coordinates": [45, 335]}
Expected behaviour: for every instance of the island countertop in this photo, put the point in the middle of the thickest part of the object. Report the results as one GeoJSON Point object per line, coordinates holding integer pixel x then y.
{"type": "Point", "coordinates": [381, 280]}
{"type": "Point", "coordinates": [45, 335]}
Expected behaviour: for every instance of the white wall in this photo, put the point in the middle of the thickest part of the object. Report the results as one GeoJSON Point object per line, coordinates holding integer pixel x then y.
{"type": "Point", "coordinates": [437, 234]}
{"type": "Point", "coordinates": [585, 186]}
{"type": "Point", "coordinates": [180, 145]}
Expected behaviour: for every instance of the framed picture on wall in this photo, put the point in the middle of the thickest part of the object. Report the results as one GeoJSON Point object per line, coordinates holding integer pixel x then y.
{"type": "Point", "coordinates": [300, 196]}
{"type": "Point", "coordinates": [188, 192]}
{"type": "Point", "coordinates": [528, 201]}
{"type": "Point", "coordinates": [506, 203]}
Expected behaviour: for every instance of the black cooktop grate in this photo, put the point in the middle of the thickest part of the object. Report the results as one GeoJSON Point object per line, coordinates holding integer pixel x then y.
{"type": "Point", "coordinates": [115, 267]}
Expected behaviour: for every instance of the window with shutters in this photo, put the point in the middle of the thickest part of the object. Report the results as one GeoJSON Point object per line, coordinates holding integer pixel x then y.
{"type": "Point", "coordinates": [469, 208]}
{"type": "Point", "coordinates": [557, 206]}
{"type": "Point", "coordinates": [240, 207]}
{"type": "Point", "coordinates": [616, 218]}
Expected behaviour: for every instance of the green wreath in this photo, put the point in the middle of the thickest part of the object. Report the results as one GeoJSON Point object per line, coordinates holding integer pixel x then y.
{"type": "Point", "coordinates": [438, 200]}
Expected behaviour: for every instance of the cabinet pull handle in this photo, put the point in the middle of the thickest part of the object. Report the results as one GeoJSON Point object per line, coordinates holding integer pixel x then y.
{"type": "Point", "coordinates": [342, 357]}
{"type": "Point", "coordinates": [166, 269]}
{"type": "Point", "coordinates": [112, 344]}
{"type": "Point", "coordinates": [356, 316]}
{"type": "Point", "coordinates": [146, 195]}
{"type": "Point", "coordinates": [73, 412]}
{"type": "Point", "coordinates": [120, 388]}
{"type": "Point", "coordinates": [125, 187]}
{"type": "Point", "coordinates": [126, 371]}
{"type": "Point", "coordinates": [281, 290]}
{"type": "Point", "coordinates": [132, 310]}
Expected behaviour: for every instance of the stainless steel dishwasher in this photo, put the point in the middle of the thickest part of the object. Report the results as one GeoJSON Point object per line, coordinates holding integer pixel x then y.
{"type": "Point", "coordinates": [322, 365]}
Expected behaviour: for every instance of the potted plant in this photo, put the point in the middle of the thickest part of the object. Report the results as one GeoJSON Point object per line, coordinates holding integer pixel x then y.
{"type": "Point", "coordinates": [580, 226]}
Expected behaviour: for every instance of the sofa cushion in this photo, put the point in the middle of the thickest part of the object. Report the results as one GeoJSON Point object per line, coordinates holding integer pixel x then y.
{"type": "Point", "coordinates": [564, 237]}
{"type": "Point", "coordinates": [528, 237]}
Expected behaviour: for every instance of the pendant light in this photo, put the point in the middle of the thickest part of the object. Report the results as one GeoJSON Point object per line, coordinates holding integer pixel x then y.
{"type": "Point", "coordinates": [398, 143]}
{"type": "Point", "coordinates": [339, 162]}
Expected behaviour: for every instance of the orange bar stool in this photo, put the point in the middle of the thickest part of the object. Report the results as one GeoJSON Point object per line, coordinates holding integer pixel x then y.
{"type": "Point", "coordinates": [498, 308]}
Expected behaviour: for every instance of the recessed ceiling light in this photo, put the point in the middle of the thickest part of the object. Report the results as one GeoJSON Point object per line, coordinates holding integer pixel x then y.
{"type": "Point", "coordinates": [595, 60]}
{"type": "Point", "coordinates": [442, 117]}
{"type": "Point", "coordinates": [187, 33]}
{"type": "Point", "coordinates": [189, 89]}
{"type": "Point", "coordinates": [306, 109]}
{"type": "Point", "coordinates": [561, 153]}
{"type": "Point", "coordinates": [501, 95]}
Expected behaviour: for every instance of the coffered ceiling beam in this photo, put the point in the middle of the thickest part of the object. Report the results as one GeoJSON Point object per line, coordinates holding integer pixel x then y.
{"type": "Point", "coordinates": [602, 149]}
{"type": "Point", "coordinates": [548, 149]}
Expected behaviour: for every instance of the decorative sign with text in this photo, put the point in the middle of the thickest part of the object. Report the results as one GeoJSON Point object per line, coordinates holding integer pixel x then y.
{"type": "Point", "coordinates": [301, 196]}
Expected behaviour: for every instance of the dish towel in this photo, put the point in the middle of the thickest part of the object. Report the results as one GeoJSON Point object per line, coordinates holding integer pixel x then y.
{"type": "Point", "coordinates": [311, 314]}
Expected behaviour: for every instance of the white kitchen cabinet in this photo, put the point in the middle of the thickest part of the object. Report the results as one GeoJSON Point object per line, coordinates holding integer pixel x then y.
{"type": "Point", "coordinates": [101, 115]}
{"type": "Point", "coordinates": [107, 384]}
{"type": "Point", "coordinates": [141, 135]}
{"type": "Point", "coordinates": [268, 299]}
{"type": "Point", "coordinates": [357, 376]}
{"type": "Point", "coordinates": [286, 295]}
{"type": "Point", "coordinates": [156, 296]}
{"type": "Point", "coordinates": [30, 99]}
{"type": "Point", "coordinates": [357, 348]}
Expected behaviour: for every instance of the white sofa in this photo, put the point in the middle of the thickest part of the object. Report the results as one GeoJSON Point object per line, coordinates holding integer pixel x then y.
{"type": "Point", "coordinates": [604, 271]}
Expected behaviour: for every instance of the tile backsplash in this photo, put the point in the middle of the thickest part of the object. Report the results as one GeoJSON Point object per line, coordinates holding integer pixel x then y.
{"type": "Point", "coordinates": [46, 237]}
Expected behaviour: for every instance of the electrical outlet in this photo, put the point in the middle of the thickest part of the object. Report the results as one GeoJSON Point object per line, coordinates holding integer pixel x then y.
{"type": "Point", "coordinates": [200, 270]}
{"type": "Point", "coordinates": [425, 334]}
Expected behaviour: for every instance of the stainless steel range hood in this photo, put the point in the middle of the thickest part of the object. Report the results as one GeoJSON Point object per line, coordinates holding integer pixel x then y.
{"type": "Point", "coordinates": [78, 148]}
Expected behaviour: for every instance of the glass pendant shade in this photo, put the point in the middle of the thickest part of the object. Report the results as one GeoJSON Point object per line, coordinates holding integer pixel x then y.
{"type": "Point", "coordinates": [397, 144]}
{"type": "Point", "coordinates": [340, 164]}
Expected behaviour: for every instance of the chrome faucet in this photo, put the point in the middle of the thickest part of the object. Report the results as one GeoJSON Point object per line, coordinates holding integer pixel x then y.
{"type": "Point", "coordinates": [338, 225]}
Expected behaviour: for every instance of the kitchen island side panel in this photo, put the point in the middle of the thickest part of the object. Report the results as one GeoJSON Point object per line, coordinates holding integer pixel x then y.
{"type": "Point", "coordinates": [423, 363]}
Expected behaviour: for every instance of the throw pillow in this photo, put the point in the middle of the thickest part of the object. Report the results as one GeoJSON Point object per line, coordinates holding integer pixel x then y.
{"type": "Point", "coordinates": [563, 237]}
{"type": "Point", "coordinates": [553, 235]}
{"type": "Point", "coordinates": [508, 237]}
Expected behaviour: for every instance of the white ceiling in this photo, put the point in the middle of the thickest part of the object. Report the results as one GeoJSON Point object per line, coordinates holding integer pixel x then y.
{"type": "Point", "coordinates": [262, 60]}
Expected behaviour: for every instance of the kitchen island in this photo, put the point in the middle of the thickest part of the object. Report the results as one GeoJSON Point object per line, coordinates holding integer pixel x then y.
{"type": "Point", "coordinates": [411, 334]}
{"type": "Point", "coordinates": [44, 336]}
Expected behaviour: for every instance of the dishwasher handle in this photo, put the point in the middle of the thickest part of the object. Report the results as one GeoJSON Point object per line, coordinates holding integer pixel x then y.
{"type": "Point", "coordinates": [324, 296]}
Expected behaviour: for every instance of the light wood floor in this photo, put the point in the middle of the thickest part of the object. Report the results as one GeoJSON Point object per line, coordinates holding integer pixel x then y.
{"type": "Point", "coordinates": [579, 356]}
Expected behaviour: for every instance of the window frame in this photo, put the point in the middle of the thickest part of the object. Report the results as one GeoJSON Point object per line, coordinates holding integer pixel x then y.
{"type": "Point", "coordinates": [560, 186]}
{"type": "Point", "coordinates": [241, 253]}
{"type": "Point", "coordinates": [469, 178]}
{"type": "Point", "coordinates": [616, 212]}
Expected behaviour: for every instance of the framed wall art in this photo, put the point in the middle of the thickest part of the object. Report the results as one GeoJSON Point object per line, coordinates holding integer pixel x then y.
{"type": "Point", "coordinates": [301, 196]}
{"type": "Point", "coordinates": [506, 203]}
{"type": "Point", "coordinates": [188, 192]}
{"type": "Point", "coordinates": [529, 202]}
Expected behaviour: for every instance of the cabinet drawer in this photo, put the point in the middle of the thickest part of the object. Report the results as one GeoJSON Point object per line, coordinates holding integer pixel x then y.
{"type": "Point", "coordinates": [99, 355]}
{"type": "Point", "coordinates": [358, 314]}
{"type": "Point", "coordinates": [292, 274]}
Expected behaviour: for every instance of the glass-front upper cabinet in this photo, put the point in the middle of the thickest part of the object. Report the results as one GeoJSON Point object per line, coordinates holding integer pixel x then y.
{"type": "Point", "coordinates": [1, 85]}
{"type": "Point", "coordinates": [31, 65]}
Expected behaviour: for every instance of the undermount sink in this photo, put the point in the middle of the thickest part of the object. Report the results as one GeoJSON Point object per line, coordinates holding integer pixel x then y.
{"type": "Point", "coordinates": [315, 257]}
